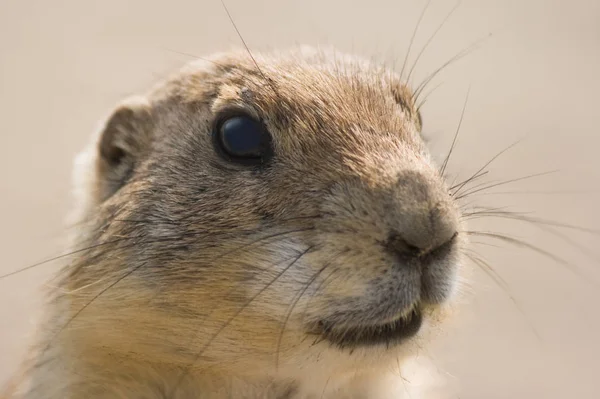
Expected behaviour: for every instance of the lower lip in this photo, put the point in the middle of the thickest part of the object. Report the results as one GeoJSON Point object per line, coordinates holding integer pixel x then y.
{"type": "Point", "coordinates": [392, 333]}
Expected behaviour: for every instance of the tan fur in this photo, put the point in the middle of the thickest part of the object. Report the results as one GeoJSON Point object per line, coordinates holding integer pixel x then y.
{"type": "Point", "coordinates": [177, 298]}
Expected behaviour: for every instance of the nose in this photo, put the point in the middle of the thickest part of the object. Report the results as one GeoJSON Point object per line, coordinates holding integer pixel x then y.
{"type": "Point", "coordinates": [423, 218]}
{"type": "Point", "coordinates": [404, 249]}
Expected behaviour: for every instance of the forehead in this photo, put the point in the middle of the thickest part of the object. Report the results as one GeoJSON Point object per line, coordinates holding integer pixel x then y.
{"type": "Point", "coordinates": [319, 99]}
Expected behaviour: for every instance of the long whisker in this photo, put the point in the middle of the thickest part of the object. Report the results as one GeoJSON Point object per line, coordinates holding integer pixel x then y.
{"type": "Point", "coordinates": [237, 313]}
{"type": "Point", "coordinates": [269, 82]}
{"type": "Point", "coordinates": [325, 387]}
{"type": "Point", "coordinates": [262, 239]}
{"type": "Point", "coordinates": [293, 305]}
{"type": "Point", "coordinates": [558, 192]}
{"type": "Point", "coordinates": [116, 240]}
{"type": "Point", "coordinates": [111, 285]}
{"type": "Point", "coordinates": [479, 210]}
{"type": "Point", "coordinates": [489, 270]}
{"type": "Point", "coordinates": [462, 114]}
{"type": "Point", "coordinates": [482, 184]}
{"type": "Point", "coordinates": [463, 53]}
{"type": "Point", "coordinates": [544, 226]}
{"type": "Point", "coordinates": [581, 248]}
{"type": "Point", "coordinates": [488, 163]}
{"type": "Point", "coordinates": [412, 39]}
{"type": "Point", "coordinates": [487, 244]}
{"type": "Point", "coordinates": [431, 39]}
{"type": "Point", "coordinates": [520, 243]}
{"type": "Point", "coordinates": [469, 180]}
{"type": "Point", "coordinates": [60, 257]}
{"type": "Point", "coordinates": [324, 283]}
{"type": "Point", "coordinates": [472, 191]}
{"type": "Point", "coordinates": [533, 220]}
{"type": "Point", "coordinates": [426, 96]}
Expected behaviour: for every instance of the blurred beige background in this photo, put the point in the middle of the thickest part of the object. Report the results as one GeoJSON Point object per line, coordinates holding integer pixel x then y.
{"type": "Point", "coordinates": [64, 64]}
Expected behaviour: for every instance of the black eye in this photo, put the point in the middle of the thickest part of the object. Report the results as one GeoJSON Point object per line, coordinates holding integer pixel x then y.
{"type": "Point", "coordinates": [242, 139]}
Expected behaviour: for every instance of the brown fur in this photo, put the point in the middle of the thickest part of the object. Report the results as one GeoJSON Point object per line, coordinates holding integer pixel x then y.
{"type": "Point", "coordinates": [205, 279]}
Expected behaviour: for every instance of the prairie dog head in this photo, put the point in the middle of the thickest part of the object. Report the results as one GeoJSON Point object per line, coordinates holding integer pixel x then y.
{"type": "Point", "coordinates": [278, 217]}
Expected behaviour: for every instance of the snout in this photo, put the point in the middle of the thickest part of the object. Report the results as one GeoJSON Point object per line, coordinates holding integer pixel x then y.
{"type": "Point", "coordinates": [424, 233]}
{"type": "Point", "coordinates": [405, 237]}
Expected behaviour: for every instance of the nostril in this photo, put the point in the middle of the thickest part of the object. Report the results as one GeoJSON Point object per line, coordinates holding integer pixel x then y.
{"type": "Point", "coordinates": [400, 246]}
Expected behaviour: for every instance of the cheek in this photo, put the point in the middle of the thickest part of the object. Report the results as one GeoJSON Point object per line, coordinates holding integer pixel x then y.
{"type": "Point", "coordinates": [276, 274]}
{"type": "Point", "coordinates": [298, 285]}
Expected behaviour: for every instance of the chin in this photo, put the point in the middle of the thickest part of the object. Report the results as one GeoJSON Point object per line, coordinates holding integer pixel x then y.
{"type": "Point", "coordinates": [368, 349]}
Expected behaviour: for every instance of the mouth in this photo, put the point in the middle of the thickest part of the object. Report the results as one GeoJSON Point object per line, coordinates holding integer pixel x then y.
{"type": "Point", "coordinates": [390, 333]}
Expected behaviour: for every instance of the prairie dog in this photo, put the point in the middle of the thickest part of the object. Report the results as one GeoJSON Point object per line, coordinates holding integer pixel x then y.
{"type": "Point", "coordinates": [254, 227]}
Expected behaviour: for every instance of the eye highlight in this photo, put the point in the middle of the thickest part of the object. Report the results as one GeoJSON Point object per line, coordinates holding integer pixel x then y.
{"type": "Point", "coordinates": [241, 139]}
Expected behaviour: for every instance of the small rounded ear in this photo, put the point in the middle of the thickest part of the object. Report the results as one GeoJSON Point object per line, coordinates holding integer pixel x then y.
{"type": "Point", "coordinates": [124, 141]}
